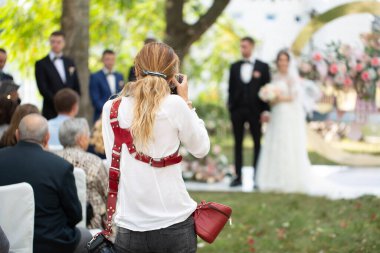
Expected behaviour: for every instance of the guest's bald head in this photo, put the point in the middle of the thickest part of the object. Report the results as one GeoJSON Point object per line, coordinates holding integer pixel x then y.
{"type": "Point", "coordinates": [33, 128]}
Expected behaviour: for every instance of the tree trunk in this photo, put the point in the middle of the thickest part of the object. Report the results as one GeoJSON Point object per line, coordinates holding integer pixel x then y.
{"type": "Point", "coordinates": [180, 35]}
{"type": "Point", "coordinates": [75, 25]}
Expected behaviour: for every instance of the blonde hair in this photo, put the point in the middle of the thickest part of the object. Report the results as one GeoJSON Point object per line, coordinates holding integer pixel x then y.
{"type": "Point", "coordinates": [149, 90]}
{"type": "Point", "coordinates": [97, 138]}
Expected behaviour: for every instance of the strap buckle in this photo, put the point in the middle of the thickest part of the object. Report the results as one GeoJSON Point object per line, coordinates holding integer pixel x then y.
{"type": "Point", "coordinates": [115, 152]}
{"type": "Point", "coordinates": [158, 160]}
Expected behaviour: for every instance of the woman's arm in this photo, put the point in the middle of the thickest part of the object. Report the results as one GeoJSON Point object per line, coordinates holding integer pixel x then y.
{"type": "Point", "coordinates": [192, 131]}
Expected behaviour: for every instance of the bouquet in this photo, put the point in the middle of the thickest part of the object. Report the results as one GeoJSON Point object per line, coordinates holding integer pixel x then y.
{"type": "Point", "coordinates": [269, 92]}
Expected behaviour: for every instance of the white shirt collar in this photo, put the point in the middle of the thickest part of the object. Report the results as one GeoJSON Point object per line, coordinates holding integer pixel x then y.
{"type": "Point", "coordinates": [106, 71]}
{"type": "Point", "coordinates": [251, 59]}
{"type": "Point", "coordinates": [52, 55]}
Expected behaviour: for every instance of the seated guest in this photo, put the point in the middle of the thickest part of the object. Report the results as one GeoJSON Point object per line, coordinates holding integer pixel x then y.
{"type": "Point", "coordinates": [66, 103]}
{"type": "Point", "coordinates": [3, 61]}
{"type": "Point", "coordinates": [57, 207]}
{"type": "Point", "coordinates": [9, 136]}
{"type": "Point", "coordinates": [7, 108]}
{"type": "Point", "coordinates": [105, 83]}
{"type": "Point", "coordinates": [74, 135]}
{"type": "Point", "coordinates": [4, 243]}
{"type": "Point", "coordinates": [96, 146]}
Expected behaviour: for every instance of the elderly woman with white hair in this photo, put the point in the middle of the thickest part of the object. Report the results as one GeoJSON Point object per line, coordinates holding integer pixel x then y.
{"type": "Point", "coordinates": [74, 135]}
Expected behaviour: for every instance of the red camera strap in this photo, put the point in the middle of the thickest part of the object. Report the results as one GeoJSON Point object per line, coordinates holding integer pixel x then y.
{"type": "Point", "coordinates": [124, 136]}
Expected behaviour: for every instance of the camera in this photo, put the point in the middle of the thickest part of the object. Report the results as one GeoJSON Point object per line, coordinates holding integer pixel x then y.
{"type": "Point", "coordinates": [173, 88]}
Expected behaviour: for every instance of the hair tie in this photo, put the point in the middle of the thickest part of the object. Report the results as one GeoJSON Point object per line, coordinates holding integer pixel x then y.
{"type": "Point", "coordinates": [152, 73]}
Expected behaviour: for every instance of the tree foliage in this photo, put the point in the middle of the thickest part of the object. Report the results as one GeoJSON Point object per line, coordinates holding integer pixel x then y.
{"type": "Point", "coordinates": [121, 25]}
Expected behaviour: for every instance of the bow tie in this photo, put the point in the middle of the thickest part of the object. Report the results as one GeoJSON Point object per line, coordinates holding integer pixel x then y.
{"type": "Point", "coordinates": [57, 58]}
{"type": "Point", "coordinates": [246, 61]}
{"type": "Point", "coordinates": [109, 73]}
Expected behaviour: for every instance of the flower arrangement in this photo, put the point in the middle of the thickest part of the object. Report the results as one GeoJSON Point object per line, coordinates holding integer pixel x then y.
{"type": "Point", "coordinates": [210, 169]}
{"type": "Point", "coordinates": [351, 68]}
{"type": "Point", "coordinates": [343, 67]}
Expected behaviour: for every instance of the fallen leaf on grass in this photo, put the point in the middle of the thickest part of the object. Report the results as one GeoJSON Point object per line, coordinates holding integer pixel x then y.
{"type": "Point", "coordinates": [358, 205]}
{"type": "Point", "coordinates": [281, 233]}
{"type": "Point", "coordinates": [343, 224]}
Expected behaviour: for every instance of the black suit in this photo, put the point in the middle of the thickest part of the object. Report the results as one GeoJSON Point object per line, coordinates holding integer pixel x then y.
{"type": "Point", "coordinates": [5, 76]}
{"type": "Point", "coordinates": [49, 82]}
{"type": "Point", "coordinates": [57, 207]}
{"type": "Point", "coordinates": [246, 106]}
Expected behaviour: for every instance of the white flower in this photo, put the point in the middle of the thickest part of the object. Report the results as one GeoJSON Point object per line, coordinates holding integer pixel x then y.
{"type": "Point", "coordinates": [269, 92]}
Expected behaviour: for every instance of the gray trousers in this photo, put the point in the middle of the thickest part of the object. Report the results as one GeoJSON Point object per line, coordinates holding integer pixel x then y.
{"type": "Point", "coordinates": [178, 238]}
{"type": "Point", "coordinates": [4, 243]}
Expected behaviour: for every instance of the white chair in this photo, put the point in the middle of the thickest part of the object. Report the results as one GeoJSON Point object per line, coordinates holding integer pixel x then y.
{"type": "Point", "coordinates": [17, 216]}
{"type": "Point", "coordinates": [106, 165]}
{"type": "Point", "coordinates": [54, 148]}
{"type": "Point", "coordinates": [80, 182]}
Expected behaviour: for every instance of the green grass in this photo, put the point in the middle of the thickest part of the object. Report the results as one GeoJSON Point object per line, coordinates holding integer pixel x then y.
{"type": "Point", "coordinates": [293, 223]}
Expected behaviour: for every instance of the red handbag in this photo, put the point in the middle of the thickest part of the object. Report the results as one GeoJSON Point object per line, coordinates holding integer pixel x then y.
{"type": "Point", "coordinates": [210, 218]}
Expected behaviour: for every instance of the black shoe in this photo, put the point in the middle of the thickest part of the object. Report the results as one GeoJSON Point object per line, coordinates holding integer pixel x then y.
{"type": "Point", "coordinates": [235, 182]}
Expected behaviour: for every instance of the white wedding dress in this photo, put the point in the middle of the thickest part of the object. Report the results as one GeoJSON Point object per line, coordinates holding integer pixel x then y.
{"type": "Point", "coordinates": [283, 164]}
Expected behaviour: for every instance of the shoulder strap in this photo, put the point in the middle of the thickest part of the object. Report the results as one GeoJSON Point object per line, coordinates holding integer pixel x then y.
{"type": "Point", "coordinates": [114, 170]}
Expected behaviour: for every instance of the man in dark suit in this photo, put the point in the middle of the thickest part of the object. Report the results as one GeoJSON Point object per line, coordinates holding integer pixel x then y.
{"type": "Point", "coordinates": [57, 207]}
{"type": "Point", "coordinates": [105, 83]}
{"type": "Point", "coordinates": [247, 76]}
{"type": "Point", "coordinates": [55, 72]}
{"type": "Point", "coordinates": [3, 61]}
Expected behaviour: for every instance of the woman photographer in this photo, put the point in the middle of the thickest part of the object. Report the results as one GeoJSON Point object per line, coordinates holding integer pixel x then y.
{"type": "Point", "coordinates": [154, 209]}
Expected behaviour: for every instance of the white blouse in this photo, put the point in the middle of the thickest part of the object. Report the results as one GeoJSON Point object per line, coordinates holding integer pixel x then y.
{"type": "Point", "coordinates": [153, 198]}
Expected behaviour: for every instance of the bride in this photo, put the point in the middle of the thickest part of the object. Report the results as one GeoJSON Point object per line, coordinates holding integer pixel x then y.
{"type": "Point", "coordinates": [283, 164]}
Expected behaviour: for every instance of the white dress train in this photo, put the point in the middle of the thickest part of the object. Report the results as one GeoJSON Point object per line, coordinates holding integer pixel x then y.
{"type": "Point", "coordinates": [283, 164]}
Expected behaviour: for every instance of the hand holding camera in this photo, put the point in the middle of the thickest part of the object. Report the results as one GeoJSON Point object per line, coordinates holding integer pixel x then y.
{"type": "Point", "coordinates": [181, 86]}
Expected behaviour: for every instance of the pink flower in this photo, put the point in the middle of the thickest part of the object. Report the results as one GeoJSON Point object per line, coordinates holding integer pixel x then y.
{"type": "Point", "coordinates": [333, 68]}
{"type": "Point", "coordinates": [375, 61]}
{"type": "Point", "coordinates": [359, 67]}
{"type": "Point", "coordinates": [378, 84]}
{"type": "Point", "coordinates": [317, 57]}
{"type": "Point", "coordinates": [347, 82]}
{"type": "Point", "coordinates": [365, 76]}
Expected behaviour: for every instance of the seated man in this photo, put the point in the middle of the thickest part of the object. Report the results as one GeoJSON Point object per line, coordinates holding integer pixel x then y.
{"type": "Point", "coordinates": [57, 207]}
{"type": "Point", "coordinates": [74, 135]}
{"type": "Point", "coordinates": [66, 103]}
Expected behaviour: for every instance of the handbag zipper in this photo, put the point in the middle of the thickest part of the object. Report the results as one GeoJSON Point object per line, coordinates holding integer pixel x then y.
{"type": "Point", "coordinates": [216, 209]}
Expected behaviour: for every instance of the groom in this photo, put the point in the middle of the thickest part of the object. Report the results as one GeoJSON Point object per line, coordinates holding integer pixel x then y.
{"type": "Point", "coordinates": [247, 76]}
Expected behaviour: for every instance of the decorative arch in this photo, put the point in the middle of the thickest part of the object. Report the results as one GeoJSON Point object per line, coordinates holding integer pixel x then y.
{"type": "Point", "coordinates": [319, 21]}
